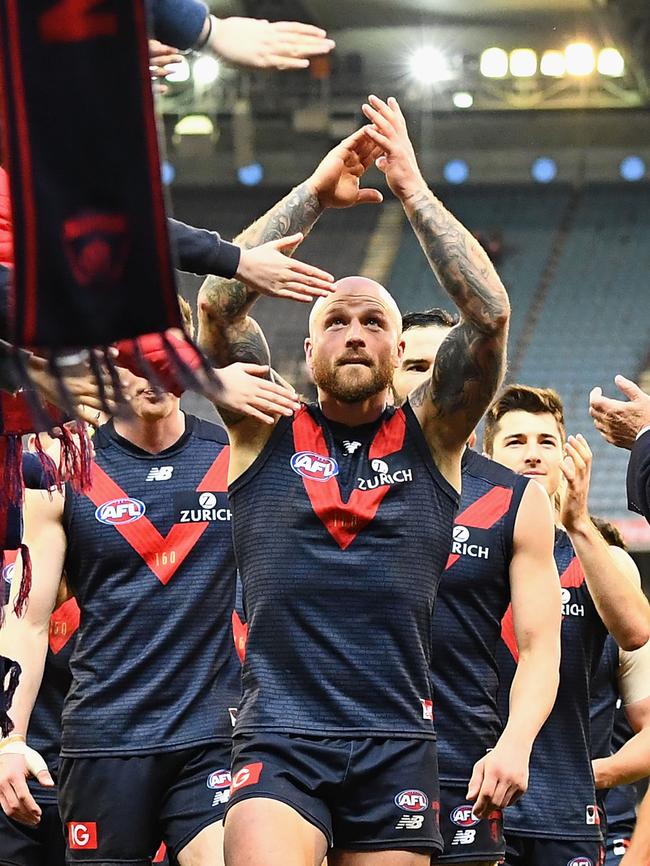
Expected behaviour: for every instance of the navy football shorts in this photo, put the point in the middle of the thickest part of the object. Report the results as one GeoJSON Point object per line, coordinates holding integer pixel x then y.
{"type": "Point", "coordinates": [362, 794]}
{"type": "Point", "coordinates": [468, 839]}
{"type": "Point", "coordinates": [537, 851]}
{"type": "Point", "coordinates": [44, 845]}
{"type": "Point", "coordinates": [116, 809]}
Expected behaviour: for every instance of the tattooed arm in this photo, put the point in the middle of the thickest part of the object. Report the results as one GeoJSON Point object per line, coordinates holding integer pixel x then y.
{"type": "Point", "coordinates": [226, 332]}
{"type": "Point", "coordinates": [471, 361]}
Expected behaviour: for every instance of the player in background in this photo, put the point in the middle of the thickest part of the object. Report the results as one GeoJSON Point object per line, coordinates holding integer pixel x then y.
{"type": "Point", "coordinates": [147, 552]}
{"type": "Point", "coordinates": [620, 725]}
{"type": "Point", "coordinates": [342, 522]}
{"type": "Point", "coordinates": [556, 821]}
{"type": "Point", "coordinates": [502, 551]}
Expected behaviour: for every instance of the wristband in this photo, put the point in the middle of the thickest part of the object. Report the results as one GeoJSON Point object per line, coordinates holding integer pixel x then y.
{"type": "Point", "coordinates": [203, 40]}
{"type": "Point", "coordinates": [14, 738]}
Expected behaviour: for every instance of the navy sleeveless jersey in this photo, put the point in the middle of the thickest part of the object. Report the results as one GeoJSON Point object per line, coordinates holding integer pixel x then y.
{"type": "Point", "coordinates": [44, 732]}
{"type": "Point", "coordinates": [151, 563]}
{"type": "Point", "coordinates": [473, 597]}
{"type": "Point", "coordinates": [341, 535]}
{"type": "Point", "coordinates": [561, 802]}
{"type": "Point", "coordinates": [609, 731]}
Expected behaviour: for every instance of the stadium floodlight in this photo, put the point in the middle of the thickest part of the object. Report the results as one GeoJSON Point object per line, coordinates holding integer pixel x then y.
{"type": "Point", "coordinates": [632, 168]}
{"type": "Point", "coordinates": [456, 171]}
{"type": "Point", "coordinates": [205, 70]}
{"type": "Point", "coordinates": [428, 65]}
{"type": "Point", "coordinates": [180, 72]}
{"type": "Point", "coordinates": [611, 63]}
{"type": "Point", "coordinates": [580, 59]}
{"type": "Point", "coordinates": [194, 124]}
{"type": "Point", "coordinates": [523, 63]}
{"type": "Point", "coordinates": [494, 63]}
{"type": "Point", "coordinates": [553, 64]}
{"type": "Point", "coordinates": [544, 169]}
{"type": "Point", "coordinates": [462, 99]}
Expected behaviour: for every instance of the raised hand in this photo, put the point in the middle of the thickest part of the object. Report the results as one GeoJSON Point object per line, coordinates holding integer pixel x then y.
{"type": "Point", "coordinates": [267, 270]}
{"type": "Point", "coordinates": [336, 181]}
{"type": "Point", "coordinates": [389, 132]}
{"type": "Point", "coordinates": [576, 468]}
{"type": "Point", "coordinates": [619, 421]}
{"type": "Point", "coordinates": [260, 44]}
{"type": "Point", "coordinates": [244, 390]}
{"type": "Point", "coordinates": [161, 62]}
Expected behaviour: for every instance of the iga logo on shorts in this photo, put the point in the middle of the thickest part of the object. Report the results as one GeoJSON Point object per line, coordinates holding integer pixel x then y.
{"type": "Point", "coordinates": [462, 816]}
{"type": "Point", "coordinates": [314, 466]}
{"type": "Point", "coordinates": [580, 861]}
{"type": "Point", "coordinates": [120, 511]}
{"type": "Point", "coordinates": [82, 835]}
{"type": "Point", "coordinates": [248, 775]}
{"type": "Point", "coordinates": [219, 779]}
{"type": "Point", "coordinates": [412, 801]}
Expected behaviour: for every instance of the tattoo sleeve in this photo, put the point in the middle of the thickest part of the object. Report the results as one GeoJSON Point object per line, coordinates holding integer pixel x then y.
{"type": "Point", "coordinates": [471, 361]}
{"type": "Point", "coordinates": [226, 332]}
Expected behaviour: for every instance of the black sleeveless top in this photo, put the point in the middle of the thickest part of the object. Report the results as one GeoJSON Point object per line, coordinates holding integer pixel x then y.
{"type": "Point", "coordinates": [341, 535]}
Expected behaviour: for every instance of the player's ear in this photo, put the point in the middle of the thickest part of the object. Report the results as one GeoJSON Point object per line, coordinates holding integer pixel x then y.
{"type": "Point", "coordinates": [309, 351]}
{"type": "Point", "coordinates": [401, 346]}
{"type": "Point", "coordinates": [473, 438]}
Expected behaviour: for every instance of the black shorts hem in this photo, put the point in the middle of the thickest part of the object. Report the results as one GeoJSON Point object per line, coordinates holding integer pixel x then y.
{"type": "Point", "coordinates": [431, 846]}
{"type": "Point", "coordinates": [187, 838]}
{"type": "Point", "coordinates": [10, 863]}
{"type": "Point", "coordinates": [334, 733]}
{"type": "Point", "coordinates": [265, 795]}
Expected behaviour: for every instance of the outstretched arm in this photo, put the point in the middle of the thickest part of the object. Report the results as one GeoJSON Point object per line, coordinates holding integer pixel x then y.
{"type": "Point", "coordinates": [471, 361]}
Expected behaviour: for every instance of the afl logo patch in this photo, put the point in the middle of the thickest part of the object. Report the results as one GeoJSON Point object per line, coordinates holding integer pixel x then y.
{"type": "Point", "coordinates": [8, 572]}
{"type": "Point", "coordinates": [412, 801]}
{"type": "Point", "coordinates": [462, 816]}
{"type": "Point", "coordinates": [580, 861]}
{"type": "Point", "coordinates": [120, 511]}
{"type": "Point", "coordinates": [219, 779]}
{"type": "Point", "coordinates": [314, 466]}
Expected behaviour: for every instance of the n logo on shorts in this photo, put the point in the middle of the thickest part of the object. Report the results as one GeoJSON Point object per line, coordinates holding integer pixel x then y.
{"type": "Point", "coordinates": [82, 835]}
{"type": "Point", "coordinates": [248, 775]}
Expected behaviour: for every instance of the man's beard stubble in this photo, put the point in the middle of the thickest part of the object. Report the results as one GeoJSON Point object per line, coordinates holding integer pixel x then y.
{"type": "Point", "coordinates": [331, 379]}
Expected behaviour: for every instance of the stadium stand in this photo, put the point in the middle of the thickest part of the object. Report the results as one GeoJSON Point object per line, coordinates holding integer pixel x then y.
{"type": "Point", "coordinates": [575, 265]}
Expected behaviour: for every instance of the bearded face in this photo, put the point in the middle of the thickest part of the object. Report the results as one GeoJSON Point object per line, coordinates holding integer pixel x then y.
{"type": "Point", "coordinates": [354, 377]}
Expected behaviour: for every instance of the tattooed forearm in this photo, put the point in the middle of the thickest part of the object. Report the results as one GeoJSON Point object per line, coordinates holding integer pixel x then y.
{"type": "Point", "coordinates": [224, 302]}
{"type": "Point", "coordinates": [467, 372]}
{"type": "Point", "coordinates": [460, 263]}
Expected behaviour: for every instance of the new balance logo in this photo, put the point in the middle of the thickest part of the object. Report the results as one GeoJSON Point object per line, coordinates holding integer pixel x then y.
{"type": "Point", "coordinates": [464, 837]}
{"type": "Point", "coordinates": [160, 473]}
{"type": "Point", "coordinates": [410, 822]}
{"type": "Point", "coordinates": [351, 447]}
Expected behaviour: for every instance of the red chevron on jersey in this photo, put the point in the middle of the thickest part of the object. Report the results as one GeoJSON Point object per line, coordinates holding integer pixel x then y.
{"type": "Point", "coordinates": [573, 575]}
{"type": "Point", "coordinates": [64, 622]}
{"type": "Point", "coordinates": [483, 513]}
{"type": "Point", "coordinates": [239, 635]}
{"type": "Point", "coordinates": [345, 520]}
{"type": "Point", "coordinates": [143, 536]}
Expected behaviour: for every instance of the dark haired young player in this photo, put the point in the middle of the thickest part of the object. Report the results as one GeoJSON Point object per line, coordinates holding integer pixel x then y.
{"type": "Point", "coordinates": [556, 822]}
